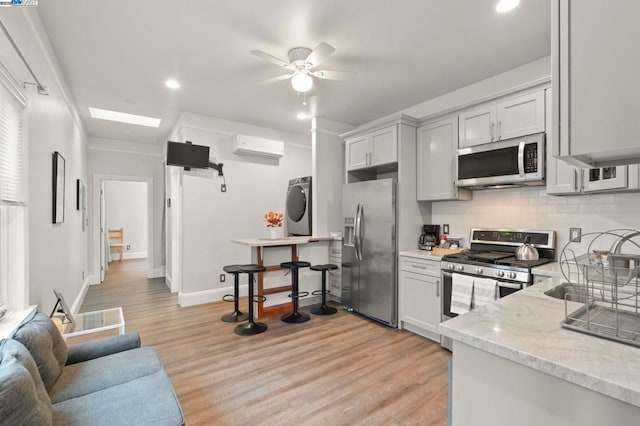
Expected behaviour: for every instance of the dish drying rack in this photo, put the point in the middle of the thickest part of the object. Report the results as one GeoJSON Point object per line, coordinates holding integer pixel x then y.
{"type": "Point", "coordinates": [606, 283]}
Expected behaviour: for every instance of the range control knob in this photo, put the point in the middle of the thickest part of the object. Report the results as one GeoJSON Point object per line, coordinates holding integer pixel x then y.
{"type": "Point", "coordinates": [500, 274]}
{"type": "Point", "coordinates": [512, 275]}
{"type": "Point", "coordinates": [450, 266]}
{"type": "Point", "coordinates": [479, 270]}
{"type": "Point", "coordinates": [460, 268]}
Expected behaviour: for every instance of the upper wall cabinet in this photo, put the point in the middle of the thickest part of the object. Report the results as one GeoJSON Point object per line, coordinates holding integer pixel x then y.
{"type": "Point", "coordinates": [372, 149]}
{"type": "Point", "coordinates": [595, 81]}
{"type": "Point", "coordinates": [511, 118]}
{"type": "Point", "coordinates": [566, 179]}
{"type": "Point", "coordinates": [437, 166]}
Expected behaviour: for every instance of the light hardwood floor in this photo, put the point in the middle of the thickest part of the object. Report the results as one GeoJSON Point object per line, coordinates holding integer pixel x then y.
{"type": "Point", "coordinates": [334, 370]}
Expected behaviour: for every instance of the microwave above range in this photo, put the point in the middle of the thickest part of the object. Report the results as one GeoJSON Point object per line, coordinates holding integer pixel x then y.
{"type": "Point", "coordinates": [513, 162]}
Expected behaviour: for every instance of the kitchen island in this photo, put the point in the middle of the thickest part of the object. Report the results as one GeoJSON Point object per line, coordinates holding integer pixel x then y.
{"type": "Point", "coordinates": [258, 249]}
{"type": "Point", "coordinates": [514, 364]}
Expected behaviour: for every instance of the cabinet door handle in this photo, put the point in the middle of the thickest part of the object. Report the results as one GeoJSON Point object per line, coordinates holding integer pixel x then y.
{"type": "Point", "coordinates": [575, 180]}
{"type": "Point", "coordinates": [437, 288]}
{"type": "Point", "coordinates": [499, 130]}
{"type": "Point", "coordinates": [491, 131]}
{"type": "Point", "coordinates": [419, 267]}
{"type": "Point", "coordinates": [581, 179]}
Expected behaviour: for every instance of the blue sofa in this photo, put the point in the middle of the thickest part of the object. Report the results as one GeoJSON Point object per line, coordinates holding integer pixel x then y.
{"type": "Point", "coordinates": [112, 381]}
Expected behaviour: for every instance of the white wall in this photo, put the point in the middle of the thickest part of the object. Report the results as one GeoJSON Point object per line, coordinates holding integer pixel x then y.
{"type": "Point", "coordinates": [56, 253]}
{"type": "Point", "coordinates": [126, 159]}
{"type": "Point", "coordinates": [211, 219]}
{"type": "Point", "coordinates": [126, 207]}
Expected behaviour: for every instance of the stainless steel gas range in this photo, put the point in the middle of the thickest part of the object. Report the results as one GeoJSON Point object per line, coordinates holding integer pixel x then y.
{"type": "Point", "coordinates": [492, 255]}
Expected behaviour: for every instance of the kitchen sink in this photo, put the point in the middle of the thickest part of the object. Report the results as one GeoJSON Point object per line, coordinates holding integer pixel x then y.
{"type": "Point", "coordinates": [565, 291]}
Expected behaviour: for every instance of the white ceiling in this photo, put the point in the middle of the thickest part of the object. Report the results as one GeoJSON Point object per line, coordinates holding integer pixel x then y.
{"type": "Point", "coordinates": [117, 54]}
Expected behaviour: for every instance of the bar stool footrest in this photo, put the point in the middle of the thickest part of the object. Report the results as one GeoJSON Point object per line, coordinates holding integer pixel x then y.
{"type": "Point", "coordinates": [320, 292]}
{"type": "Point", "coordinates": [229, 298]}
{"type": "Point", "coordinates": [300, 295]}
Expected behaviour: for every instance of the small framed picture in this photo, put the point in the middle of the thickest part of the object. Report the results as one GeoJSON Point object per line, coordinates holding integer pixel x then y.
{"type": "Point", "coordinates": [58, 188]}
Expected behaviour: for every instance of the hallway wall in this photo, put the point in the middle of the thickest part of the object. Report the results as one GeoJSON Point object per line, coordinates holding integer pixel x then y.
{"type": "Point", "coordinates": [126, 208]}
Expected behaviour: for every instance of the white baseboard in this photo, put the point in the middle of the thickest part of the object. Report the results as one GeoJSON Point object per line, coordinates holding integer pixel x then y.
{"type": "Point", "coordinates": [135, 255]}
{"type": "Point", "coordinates": [168, 281]}
{"type": "Point", "coordinates": [83, 292]}
{"type": "Point", "coordinates": [156, 273]}
{"type": "Point", "coordinates": [208, 296]}
{"type": "Point", "coordinates": [93, 279]}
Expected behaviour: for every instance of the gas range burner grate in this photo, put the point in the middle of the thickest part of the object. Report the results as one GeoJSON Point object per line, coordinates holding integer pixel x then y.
{"type": "Point", "coordinates": [512, 261]}
{"type": "Point", "coordinates": [490, 256]}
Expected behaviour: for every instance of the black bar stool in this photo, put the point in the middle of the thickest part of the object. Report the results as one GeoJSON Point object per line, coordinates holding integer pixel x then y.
{"type": "Point", "coordinates": [295, 316]}
{"type": "Point", "coordinates": [236, 315]}
{"type": "Point", "coordinates": [251, 327]}
{"type": "Point", "coordinates": [323, 309]}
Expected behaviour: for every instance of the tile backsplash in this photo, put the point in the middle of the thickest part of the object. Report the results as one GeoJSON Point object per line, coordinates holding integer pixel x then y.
{"type": "Point", "coordinates": [532, 208]}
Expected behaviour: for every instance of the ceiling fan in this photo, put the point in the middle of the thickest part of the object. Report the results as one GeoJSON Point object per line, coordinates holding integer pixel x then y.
{"type": "Point", "coordinates": [302, 63]}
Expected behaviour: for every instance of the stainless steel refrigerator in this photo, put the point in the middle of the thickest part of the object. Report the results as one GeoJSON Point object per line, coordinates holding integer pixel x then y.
{"type": "Point", "coordinates": [369, 279]}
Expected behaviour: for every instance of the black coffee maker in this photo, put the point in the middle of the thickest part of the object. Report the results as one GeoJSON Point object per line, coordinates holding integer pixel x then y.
{"type": "Point", "coordinates": [429, 237]}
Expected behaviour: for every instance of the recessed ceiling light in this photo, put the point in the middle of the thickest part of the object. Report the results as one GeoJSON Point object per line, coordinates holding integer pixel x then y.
{"type": "Point", "coordinates": [172, 84]}
{"type": "Point", "coordinates": [505, 6]}
{"type": "Point", "coordinates": [302, 116]}
{"type": "Point", "coordinates": [122, 117]}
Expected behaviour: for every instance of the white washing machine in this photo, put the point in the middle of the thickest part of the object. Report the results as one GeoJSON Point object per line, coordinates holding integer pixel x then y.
{"type": "Point", "coordinates": [298, 215]}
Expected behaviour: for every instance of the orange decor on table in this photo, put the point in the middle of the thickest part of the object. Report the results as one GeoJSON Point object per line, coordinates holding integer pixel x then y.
{"type": "Point", "coordinates": [273, 219]}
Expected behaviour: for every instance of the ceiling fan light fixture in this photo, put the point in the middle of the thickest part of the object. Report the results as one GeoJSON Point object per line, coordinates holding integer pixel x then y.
{"type": "Point", "coordinates": [302, 82]}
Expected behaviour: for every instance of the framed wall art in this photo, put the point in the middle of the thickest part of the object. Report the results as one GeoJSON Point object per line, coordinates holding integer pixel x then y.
{"type": "Point", "coordinates": [58, 188]}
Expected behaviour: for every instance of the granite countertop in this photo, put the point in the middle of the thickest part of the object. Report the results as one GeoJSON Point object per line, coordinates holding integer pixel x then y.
{"type": "Point", "coordinates": [525, 328]}
{"type": "Point", "coordinates": [548, 270]}
{"type": "Point", "coordinates": [284, 241]}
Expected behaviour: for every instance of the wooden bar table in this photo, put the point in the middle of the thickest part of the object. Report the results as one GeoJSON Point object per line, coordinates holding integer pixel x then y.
{"type": "Point", "coordinates": [258, 248]}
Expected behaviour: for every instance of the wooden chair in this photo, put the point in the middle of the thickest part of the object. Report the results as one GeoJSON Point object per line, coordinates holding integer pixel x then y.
{"type": "Point", "coordinates": [117, 235]}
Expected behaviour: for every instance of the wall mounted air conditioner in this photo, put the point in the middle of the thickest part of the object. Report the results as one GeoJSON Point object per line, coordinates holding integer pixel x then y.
{"type": "Point", "coordinates": [259, 147]}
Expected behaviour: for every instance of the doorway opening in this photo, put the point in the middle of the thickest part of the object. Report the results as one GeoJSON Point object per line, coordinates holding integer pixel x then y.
{"type": "Point", "coordinates": [125, 223]}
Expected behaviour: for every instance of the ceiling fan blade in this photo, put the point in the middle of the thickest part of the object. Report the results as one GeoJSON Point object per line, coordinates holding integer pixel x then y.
{"type": "Point", "coordinates": [334, 75]}
{"type": "Point", "coordinates": [319, 54]}
{"type": "Point", "coordinates": [272, 59]}
{"type": "Point", "coordinates": [276, 79]}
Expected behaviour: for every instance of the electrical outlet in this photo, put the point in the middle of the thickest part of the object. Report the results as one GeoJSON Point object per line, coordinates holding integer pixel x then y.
{"type": "Point", "coordinates": [575, 235]}
{"type": "Point", "coordinates": [445, 229]}
{"type": "Point", "coordinates": [223, 187]}
{"type": "Point", "coordinates": [223, 278]}
{"type": "Point", "coordinates": [128, 247]}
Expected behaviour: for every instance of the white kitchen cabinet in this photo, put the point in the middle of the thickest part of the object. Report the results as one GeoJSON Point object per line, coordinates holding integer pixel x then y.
{"type": "Point", "coordinates": [595, 81]}
{"type": "Point", "coordinates": [566, 179]}
{"type": "Point", "coordinates": [420, 296]}
{"type": "Point", "coordinates": [437, 166]}
{"type": "Point", "coordinates": [357, 153]}
{"type": "Point", "coordinates": [373, 149]}
{"type": "Point", "coordinates": [510, 118]}
{"type": "Point", "coordinates": [477, 126]}
{"type": "Point", "coordinates": [521, 116]}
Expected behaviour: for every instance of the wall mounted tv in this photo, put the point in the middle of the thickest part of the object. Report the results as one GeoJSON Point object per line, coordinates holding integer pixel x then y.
{"type": "Point", "coordinates": [187, 155]}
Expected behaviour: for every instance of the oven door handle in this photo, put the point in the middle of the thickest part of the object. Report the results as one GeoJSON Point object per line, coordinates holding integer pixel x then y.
{"type": "Point", "coordinates": [521, 158]}
{"type": "Point", "coordinates": [509, 285]}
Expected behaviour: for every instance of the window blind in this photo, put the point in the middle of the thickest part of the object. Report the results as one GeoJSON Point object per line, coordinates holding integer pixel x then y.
{"type": "Point", "coordinates": [14, 290]}
{"type": "Point", "coordinates": [12, 155]}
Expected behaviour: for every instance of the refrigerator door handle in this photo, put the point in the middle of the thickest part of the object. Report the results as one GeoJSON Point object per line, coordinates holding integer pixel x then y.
{"type": "Point", "coordinates": [358, 232]}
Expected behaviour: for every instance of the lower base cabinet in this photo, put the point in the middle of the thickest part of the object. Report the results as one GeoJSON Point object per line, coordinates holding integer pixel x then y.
{"type": "Point", "coordinates": [420, 293]}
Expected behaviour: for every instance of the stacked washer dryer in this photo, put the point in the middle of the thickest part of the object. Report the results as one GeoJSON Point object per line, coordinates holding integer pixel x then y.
{"type": "Point", "coordinates": [298, 215]}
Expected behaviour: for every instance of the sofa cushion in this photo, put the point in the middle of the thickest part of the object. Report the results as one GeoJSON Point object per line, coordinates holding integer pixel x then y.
{"type": "Point", "coordinates": [100, 373]}
{"type": "Point", "coordinates": [149, 400]}
{"type": "Point", "coordinates": [41, 336]}
{"type": "Point", "coordinates": [23, 398]}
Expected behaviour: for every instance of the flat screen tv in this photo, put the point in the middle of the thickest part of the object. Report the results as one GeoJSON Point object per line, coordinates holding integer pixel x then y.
{"type": "Point", "coordinates": [187, 155]}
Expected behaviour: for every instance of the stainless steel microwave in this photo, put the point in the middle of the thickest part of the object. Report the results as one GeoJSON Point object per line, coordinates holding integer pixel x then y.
{"type": "Point", "coordinates": [513, 162]}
